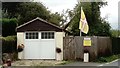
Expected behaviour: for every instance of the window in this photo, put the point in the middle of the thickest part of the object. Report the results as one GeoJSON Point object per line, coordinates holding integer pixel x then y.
{"type": "Point", "coordinates": [32, 35]}
{"type": "Point", "coordinates": [47, 35]}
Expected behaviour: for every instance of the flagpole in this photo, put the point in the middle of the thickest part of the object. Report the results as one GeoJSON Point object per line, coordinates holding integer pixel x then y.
{"type": "Point", "coordinates": [80, 29]}
{"type": "Point", "coordinates": [80, 33]}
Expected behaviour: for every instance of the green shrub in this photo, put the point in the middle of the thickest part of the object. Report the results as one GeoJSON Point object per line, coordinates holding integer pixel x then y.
{"type": "Point", "coordinates": [9, 44]}
{"type": "Point", "coordinates": [102, 59]}
{"type": "Point", "coordinates": [8, 26]}
{"type": "Point", "coordinates": [108, 59]}
{"type": "Point", "coordinates": [115, 45]}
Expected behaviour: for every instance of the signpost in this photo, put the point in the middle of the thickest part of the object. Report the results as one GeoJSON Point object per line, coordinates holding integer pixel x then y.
{"type": "Point", "coordinates": [86, 44]}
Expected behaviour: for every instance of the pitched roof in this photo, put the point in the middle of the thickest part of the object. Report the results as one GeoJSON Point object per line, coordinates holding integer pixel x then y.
{"type": "Point", "coordinates": [38, 19]}
{"type": "Point", "coordinates": [19, 28]}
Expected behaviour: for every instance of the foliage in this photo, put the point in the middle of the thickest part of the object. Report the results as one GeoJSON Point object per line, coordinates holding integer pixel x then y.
{"type": "Point", "coordinates": [8, 26]}
{"type": "Point", "coordinates": [31, 11]}
{"type": "Point", "coordinates": [115, 33]}
{"type": "Point", "coordinates": [12, 56]}
{"type": "Point", "coordinates": [108, 59]}
{"type": "Point", "coordinates": [26, 11]}
{"type": "Point", "coordinates": [5, 14]}
{"type": "Point", "coordinates": [115, 45]}
{"type": "Point", "coordinates": [65, 62]}
{"type": "Point", "coordinates": [9, 44]}
{"type": "Point", "coordinates": [55, 18]}
{"type": "Point", "coordinates": [97, 25]}
{"type": "Point", "coordinates": [11, 8]}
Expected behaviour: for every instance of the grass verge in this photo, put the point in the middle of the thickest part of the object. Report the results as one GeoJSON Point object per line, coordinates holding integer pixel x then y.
{"type": "Point", "coordinates": [107, 59]}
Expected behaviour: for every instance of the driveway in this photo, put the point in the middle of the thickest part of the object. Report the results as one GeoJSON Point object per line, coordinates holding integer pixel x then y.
{"type": "Point", "coordinates": [36, 63]}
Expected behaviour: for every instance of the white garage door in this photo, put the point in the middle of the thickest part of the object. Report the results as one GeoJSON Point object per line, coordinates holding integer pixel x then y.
{"type": "Point", "coordinates": [39, 45]}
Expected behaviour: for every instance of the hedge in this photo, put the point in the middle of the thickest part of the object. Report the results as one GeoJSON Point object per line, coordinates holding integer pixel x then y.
{"type": "Point", "coordinates": [8, 26]}
{"type": "Point", "coordinates": [9, 44]}
{"type": "Point", "coordinates": [115, 45]}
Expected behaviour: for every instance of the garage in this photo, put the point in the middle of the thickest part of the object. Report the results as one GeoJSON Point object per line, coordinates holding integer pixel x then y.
{"type": "Point", "coordinates": [43, 44]}
{"type": "Point", "coordinates": [40, 39]}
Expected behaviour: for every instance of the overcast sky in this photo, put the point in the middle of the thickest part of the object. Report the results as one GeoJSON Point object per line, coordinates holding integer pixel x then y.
{"type": "Point", "coordinates": [110, 11]}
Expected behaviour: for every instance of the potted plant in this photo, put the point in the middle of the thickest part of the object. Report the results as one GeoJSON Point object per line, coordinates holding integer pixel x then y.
{"type": "Point", "coordinates": [58, 50]}
{"type": "Point", "coordinates": [20, 48]}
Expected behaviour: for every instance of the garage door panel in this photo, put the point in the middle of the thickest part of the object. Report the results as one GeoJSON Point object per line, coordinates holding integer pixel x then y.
{"type": "Point", "coordinates": [31, 50]}
{"type": "Point", "coordinates": [48, 50]}
{"type": "Point", "coordinates": [38, 48]}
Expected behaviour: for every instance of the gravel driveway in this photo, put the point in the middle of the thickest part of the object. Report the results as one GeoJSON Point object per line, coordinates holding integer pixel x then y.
{"type": "Point", "coordinates": [37, 63]}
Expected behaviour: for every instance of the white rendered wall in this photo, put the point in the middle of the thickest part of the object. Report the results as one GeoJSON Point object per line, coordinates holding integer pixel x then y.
{"type": "Point", "coordinates": [59, 44]}
{"type": "Point", "coordinates": [20, 40]}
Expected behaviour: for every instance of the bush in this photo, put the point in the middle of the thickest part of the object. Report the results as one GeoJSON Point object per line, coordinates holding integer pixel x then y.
{"type": "Point", "coordinates": [108, 59]}
{"type": "Point", "coordinates": [8, 26]}
{"type": "Point", "coordinates": [115, 45]}
{"type": "Point", "coordinates": [12, 56]}
{"type": "Point", "coordinates": [9, 44]}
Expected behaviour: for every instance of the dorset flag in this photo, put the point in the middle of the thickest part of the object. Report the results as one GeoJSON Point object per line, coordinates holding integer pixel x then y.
{"type": "Point", "coordinates": [83, 25]}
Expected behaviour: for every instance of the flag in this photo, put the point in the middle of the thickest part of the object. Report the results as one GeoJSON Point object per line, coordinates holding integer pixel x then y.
{"type": "Point", "coordinates": [83, 25]}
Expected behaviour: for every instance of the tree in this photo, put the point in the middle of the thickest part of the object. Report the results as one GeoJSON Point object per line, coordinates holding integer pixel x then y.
{"type": "Point", "coordinates": [55, 18]}
{"type": "Point", "coordinates": [26, 11]}
{"type": "Point", "coordinates": [30, 10]}
{"type": "Point", "coordinates": [115, 33]}
{"type": "Point", "coordinates": [97, 25]}
{"type": "Point", "coordinates": [10, 8]}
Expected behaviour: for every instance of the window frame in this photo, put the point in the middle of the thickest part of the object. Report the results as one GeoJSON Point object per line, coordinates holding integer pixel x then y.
{"type": "Point", "coordinates": [34, 35]}
{"type": "Point", "coordinates": [48, 37]}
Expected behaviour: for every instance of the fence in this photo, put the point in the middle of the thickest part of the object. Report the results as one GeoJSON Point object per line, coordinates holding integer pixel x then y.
{"type": "Point", "coordinates": [73, 48]}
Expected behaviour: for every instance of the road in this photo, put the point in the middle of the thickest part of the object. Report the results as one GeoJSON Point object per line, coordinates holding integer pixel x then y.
{"type": "Point", "coordinates": [113, 64]}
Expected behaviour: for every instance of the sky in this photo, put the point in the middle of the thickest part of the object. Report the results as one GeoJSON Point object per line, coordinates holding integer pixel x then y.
{"type": "Point", "coordinates": [110, 12]}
